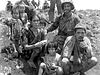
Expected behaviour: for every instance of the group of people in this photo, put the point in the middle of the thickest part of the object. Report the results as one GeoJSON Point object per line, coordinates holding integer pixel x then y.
{"type": "Point", "coordinates": [69, 52]}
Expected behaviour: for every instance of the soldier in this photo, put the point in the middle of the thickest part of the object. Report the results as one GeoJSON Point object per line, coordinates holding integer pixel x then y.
{"type": "Point", "coordinates": [65, 24]}
{"type": "Point", "coordinates": [77, 54]}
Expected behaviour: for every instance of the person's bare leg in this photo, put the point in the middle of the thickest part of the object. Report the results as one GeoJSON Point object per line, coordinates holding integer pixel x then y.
{"type": "Point", "coordinates": [42, 65]}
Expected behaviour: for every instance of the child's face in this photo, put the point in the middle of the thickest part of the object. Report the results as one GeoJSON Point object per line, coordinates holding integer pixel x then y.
{"type": "Point", "coordinates": [51, 51]}
{"type": "Point", "coordinates": [22, 9]}
{"type": "Point", "coordinates": [15, 14]}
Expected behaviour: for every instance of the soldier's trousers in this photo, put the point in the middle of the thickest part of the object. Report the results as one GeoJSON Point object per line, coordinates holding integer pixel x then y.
{"type": "Point", "coordinates": [68, 66]}
{"type": "Point", "coordinates": [52, 8]}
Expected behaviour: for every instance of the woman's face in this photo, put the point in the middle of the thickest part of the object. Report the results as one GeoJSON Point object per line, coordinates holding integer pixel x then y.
{"type": "Point", "coordinates": [35, 21]}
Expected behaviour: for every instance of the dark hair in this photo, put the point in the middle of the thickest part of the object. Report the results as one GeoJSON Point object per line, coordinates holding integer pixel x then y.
{"type": "Point", "coordinates": [51, 45]}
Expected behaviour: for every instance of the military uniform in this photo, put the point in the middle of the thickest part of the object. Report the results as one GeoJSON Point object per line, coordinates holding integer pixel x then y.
{"type": "Point", "coordinates": [65, 27]}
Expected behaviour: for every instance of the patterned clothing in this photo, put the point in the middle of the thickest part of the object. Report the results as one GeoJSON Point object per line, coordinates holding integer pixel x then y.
{"type": "Point", "coordinates": [16, 29]}
{"type": "Point", "coordinates": [23, 18]}
{"type": "Point", "coordinates": [52, 59]}
{"type": "Point", "coordinates": [49, 61]}
{"type": "Point", "coordinates": [30, 38]}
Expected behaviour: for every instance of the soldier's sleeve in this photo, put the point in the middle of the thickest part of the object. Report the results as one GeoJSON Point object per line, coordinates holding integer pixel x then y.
{"type": "Point", "coordinates": [54, 25]}
{"type": "Point", "coordinates": [76, 20]}
{"type": "Point", "coordinates": [89, 47]}
{"type": "Point", "coordinates": [66, 52]}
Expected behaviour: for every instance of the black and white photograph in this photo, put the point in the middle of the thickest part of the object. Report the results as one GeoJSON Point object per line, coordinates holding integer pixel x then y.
{"type": "Point", "coordinates": [49, 37]}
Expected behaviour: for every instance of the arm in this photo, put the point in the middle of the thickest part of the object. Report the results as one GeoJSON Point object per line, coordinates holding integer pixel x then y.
{"type": "Point", "coordinates": [54, 25]}
{"type": "Point", "coordinates": [66, 51]}
{"type": "Point", "coordinates": [38, 44]}
{"type": "Point", "coordinates": [89, 48]}
{"type": "Point", "coordinates": [86, 45]}
{"type": "Point", "coordinates": [76, 20]}
{"type": "Point", "coordinates": [25, 40]}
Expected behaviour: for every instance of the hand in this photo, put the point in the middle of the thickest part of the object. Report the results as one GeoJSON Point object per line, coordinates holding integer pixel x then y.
{"type": "Point", "coordinates": [45, 32]}
{"type": "Point", "coordinates": [83, 45]}
{"type": "Point", "coordinates": [39, 44]}
{"type": "Point", "coordinates": [20, 49]}
{"type": "Point", "coordinates": [65, 60]}
{"type": "Point", "coordinates": [53, 66]}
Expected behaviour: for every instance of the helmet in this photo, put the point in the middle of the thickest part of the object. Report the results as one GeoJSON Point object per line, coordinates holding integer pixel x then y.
{"type": "Point", "coordinates": [67, 2]}
{"type": "Point", "coordinates": [80, 26]}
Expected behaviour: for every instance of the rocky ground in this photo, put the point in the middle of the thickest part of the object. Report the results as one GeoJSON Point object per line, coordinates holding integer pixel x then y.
{"type": "Point", "coordinates": [90, 17]}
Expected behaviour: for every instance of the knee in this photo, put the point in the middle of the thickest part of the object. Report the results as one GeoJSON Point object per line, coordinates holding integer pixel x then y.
{"type": "Point", "coordinates": [65, 60]}
{"type": "Point", "coordinates": [65, 64]}
{"type": "Point", "coordinates": [59, 71]}
{"type": "Point", "coordinates": [42, 65]}
{"type": "Point", "coordinates": [94, 60]}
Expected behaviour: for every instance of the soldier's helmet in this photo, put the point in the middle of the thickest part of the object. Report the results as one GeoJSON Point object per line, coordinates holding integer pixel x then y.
{"type": "Point", "coordinates": [63, 2]}
{"type": "Point", "coordinates": [80, 26]}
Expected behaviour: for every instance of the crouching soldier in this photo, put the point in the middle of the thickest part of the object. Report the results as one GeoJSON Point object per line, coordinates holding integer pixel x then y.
{"type": "Point", "coordinates": [77, 54]}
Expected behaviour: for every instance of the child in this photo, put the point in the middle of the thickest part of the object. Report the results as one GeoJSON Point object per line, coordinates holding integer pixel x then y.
{"type": "Point", "coordinates": [16, 28]}
{"type": "Point", "coordinates": [51, 61]}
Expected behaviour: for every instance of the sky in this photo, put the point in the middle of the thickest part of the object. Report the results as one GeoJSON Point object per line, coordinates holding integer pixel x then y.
{"type": "Point", "coordinates": [79, 4]}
